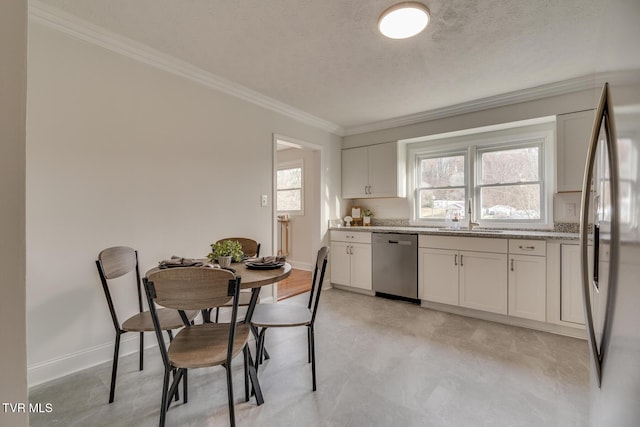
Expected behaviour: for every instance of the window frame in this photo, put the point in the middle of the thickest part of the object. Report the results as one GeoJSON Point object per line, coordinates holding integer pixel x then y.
{"type": "Point", "coordinates": [526, 143]}
{"type": "Point", "coordinates": [417, 172]}
{"type": "Point", "coordinates": [471, 141]}
{"type": "Point", "coordinates": [286, 166]}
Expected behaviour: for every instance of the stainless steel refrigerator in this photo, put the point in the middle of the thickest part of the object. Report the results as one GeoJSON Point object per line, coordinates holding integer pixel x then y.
{"type": "Point", "coordinates": [610, 228]}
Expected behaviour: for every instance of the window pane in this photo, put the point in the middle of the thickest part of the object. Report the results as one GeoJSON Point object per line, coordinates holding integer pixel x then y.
{"type": "Point", "coordinates": [510, 166]}
{"type": "Point", "coordinates": [511, 202]}
{"type": "Point", "coordinates": [289, 200]}
{"type": "Point", "coordinates": [627, 158]}
{"type": "Point", "coordinates": [435, 203]}
{"type": "Point", "coordinates": [442, 172]}
{"type": "Point", "coordinates": [289, 178]}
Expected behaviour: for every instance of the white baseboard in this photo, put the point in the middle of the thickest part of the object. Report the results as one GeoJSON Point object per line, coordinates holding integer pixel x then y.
{"type": "Point", "coordinates": [42, 372]}
{"type": "Point", "coordinates": [301, 265]}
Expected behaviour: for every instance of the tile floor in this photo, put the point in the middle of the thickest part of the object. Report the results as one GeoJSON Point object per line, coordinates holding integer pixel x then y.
{"type": "Point", "coordinates": [380, 363]}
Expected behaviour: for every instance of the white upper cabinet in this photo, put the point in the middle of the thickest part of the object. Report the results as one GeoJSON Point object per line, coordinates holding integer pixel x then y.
{"type": "Point", "coordinates": [374, 171]}
{"type": "Point", "coordinates": [573, 135]}
{"type": "Point", "coordinates": [355, 172]}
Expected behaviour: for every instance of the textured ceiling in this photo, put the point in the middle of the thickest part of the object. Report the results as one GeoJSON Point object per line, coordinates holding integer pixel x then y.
{"type": "Point", "coordinates": [327, 58]}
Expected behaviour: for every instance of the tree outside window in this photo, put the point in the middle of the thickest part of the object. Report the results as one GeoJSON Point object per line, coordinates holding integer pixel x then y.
{"type": "Point", "coordinates": [441, 187]}
{"type": "Point", "coordinates": [503, 175]}
{"type": "Point", "coordinates": [509, 183]}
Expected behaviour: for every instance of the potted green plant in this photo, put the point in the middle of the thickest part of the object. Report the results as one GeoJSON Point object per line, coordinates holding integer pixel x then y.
{"type": "Point", "coordinates": [226, 251]}
{"type": "Point", "coordinates": [366, 217]}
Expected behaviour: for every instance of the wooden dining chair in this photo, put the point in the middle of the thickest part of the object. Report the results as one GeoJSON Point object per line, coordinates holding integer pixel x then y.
{"type": "Point", "coordinates": [267, 316]}
{"type": "Point", "coordinates": [112, 264]}
{"type": "Point", "coordinates": [203, 345]}
{"type": "Point", "coordinates": [250, 248]}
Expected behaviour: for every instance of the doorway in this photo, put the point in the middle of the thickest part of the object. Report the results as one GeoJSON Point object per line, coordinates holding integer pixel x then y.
{"type": "Point", "coordinates": [297, 210]}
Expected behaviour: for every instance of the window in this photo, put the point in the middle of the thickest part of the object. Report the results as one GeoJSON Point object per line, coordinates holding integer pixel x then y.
{"type": "Point", "coordinates": [289, 188]}
{"type": "Point", "coordinates": [442, 186]}
{"type": "Point", "coordinates": [509, 183]}
{"type": "Point", "coordinates": [627, 170]}
{"type": "Point", "coordinates": [506, 175]}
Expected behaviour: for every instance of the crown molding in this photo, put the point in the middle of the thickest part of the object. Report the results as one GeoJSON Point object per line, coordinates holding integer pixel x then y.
{"type": "Point", "coordinates": [73, 26]}
{"type": "Point", "coordinates": [592, 81]}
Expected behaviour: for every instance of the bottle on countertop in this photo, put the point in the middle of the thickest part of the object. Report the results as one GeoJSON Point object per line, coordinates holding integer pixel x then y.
{"type": "Point", "coordinates": [455, 221]}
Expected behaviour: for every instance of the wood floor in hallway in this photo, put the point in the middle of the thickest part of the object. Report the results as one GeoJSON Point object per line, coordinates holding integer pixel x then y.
{"type": "Point", "coordinates": [297, 283]}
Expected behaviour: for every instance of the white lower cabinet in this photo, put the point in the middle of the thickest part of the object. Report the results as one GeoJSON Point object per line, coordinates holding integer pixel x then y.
{"type": "Point", "coordinates": [571, 298]}
{"type": "Point", "coordinates": [483, 281]}
{"type": "Point", "coordinates": [360, 266]}
{"type": "Point", "coordinates": [527, 287]}
{"type": "Point", "coordinates": [351, 259]}
{"type": "Point", "coordinates": [528, 279]}
{"type": "Point", "coordinates": [450, 274]}
{"type": "Point", "coordinates": [438, 275]}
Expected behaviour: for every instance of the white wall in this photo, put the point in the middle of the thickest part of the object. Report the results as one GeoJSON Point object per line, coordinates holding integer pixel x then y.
{"type": "Point", "coordinates": [13, 81]}
{"type": "Point", "coordinates": [120, 153]}
{"type": "Point", "coordinates": [302, 227]}
{"type": "Point", "coordinates": [396, 208]}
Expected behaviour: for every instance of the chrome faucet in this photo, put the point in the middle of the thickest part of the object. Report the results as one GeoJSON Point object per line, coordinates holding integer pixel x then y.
{"type": "Point", "coordinates": [471, 223]}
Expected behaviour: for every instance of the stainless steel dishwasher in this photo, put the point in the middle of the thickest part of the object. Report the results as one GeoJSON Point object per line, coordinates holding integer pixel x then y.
{"type": "Point", "coordinates": [395, 265]}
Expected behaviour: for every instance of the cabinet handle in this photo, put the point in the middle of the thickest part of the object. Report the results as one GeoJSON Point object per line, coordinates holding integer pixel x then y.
{"type": "Point", "coordinates": [455, 259]}
{"type": "Point", "coordinates": [461, 264]}
{"type": "Point", "coordinates": [527, 248]}
{"type": "Point", "coordinates": [511, 264]}
{"type": "Point", "coordinates": [347, 249]}
{"type": "Point", "coordinates": [350, 250]}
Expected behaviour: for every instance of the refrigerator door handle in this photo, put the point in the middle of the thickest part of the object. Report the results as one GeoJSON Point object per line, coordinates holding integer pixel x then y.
{"type": "Point", "coordinates": [596, 255]}
{"type": "Point", "coordinates": [584, 239]}
{"type": "Point", "coordinates": [604, 117]}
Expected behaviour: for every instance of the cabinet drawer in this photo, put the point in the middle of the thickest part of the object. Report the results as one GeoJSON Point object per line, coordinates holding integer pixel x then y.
{"type": "Point", "coordinates": [527, 247]}
{"type": "Point", "coordinates": [477, 244]}
{"type": "Point", "coordinates": [351, 236]}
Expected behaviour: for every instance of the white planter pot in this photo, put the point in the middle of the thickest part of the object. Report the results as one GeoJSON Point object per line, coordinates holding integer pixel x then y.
{"type": "Point", "coordinates": [224, 261]}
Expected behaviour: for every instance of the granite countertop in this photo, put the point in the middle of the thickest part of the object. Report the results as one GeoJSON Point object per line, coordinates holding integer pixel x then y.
{"type": "Point", "coordinates": [478, 232]}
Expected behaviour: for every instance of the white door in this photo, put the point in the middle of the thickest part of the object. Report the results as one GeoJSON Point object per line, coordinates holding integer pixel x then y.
{"type": "Point", "coordinates": [383, 167]}
{"type": "Point", "coordinates": [438, 275]}
{"type": "Point", "coordinates": [527, 287]}
{"type": "Point", "coordinates": [354, 172]}
{"type": "Point", "coordinates": [361, 265]}
{"type": "Point", "coordinates": [571, 298]}
{"type": "Point", "coordinates": [340, 263]}
{"type": "Point", "coordinates": [483, 281]}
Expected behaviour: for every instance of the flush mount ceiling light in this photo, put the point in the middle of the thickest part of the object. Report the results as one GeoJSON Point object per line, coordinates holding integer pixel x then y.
{"type": "Point", "coordinates": [403, 20]}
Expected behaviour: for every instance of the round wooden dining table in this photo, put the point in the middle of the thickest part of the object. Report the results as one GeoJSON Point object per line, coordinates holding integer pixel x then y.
{"type": "Point", "coordinates": [250, 278]}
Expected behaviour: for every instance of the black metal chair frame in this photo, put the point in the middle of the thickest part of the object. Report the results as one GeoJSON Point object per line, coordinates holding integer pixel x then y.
{"type": "Point", "coordinates": [180, 374]}
{"type": "Point", "coordinates": [117, 325]}
{"type": "Point", "coordinates": [314, 299]}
